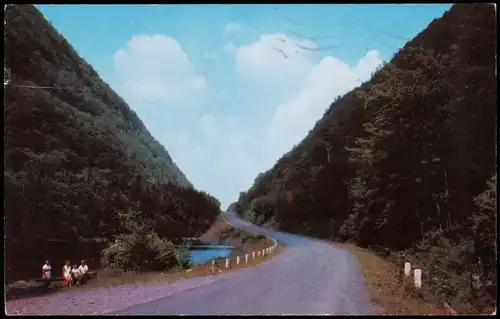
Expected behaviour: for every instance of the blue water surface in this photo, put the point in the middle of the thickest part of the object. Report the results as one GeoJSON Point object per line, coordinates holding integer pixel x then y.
{"type": "Point", "coordinates": [199, 256]}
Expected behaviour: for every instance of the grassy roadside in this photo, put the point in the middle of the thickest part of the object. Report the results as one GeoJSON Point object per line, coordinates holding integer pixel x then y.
{"type": "Point", "coordinates": [220, 232]}
{"type": "Point", "coordinates": [384, 286]}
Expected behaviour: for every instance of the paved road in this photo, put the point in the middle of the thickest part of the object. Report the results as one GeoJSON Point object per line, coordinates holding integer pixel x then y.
{"type": "Point", "coordinates": [308, 277]}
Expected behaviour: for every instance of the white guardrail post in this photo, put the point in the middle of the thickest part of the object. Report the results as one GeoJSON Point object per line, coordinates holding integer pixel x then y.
{"type": "Point", "coordinates": [246, 258]}
{"type": "Point", "coordinates": [417, 274]}
{"type": "Point", "coordinates": [407, 269]}
{"type": "Point", "coordinates": [237, 260]}
{"type": "Point", "coordinates": [227, 262]}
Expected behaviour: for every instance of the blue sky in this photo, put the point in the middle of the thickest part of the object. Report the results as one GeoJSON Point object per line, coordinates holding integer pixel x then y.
{"type": "Point", "coordinates": [227, 89]}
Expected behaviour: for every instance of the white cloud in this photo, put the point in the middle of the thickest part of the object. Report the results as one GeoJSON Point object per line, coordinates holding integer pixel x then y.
{"type": "Point", "coordinates": [232, 27]}
{"type": "Point", "coordinates": [275, 60]}
{"type": "Point", "coordinates": [229, 48]}
{"type": "Point", "coordinates": [218, 160]}
{"type": "Point", "coordinates": [325, 81]}
{"type": "Point", "coordinates": [307, 88]}
{"type": "Point", "coordinates": [154, 69]}
{"type": "Point", "coordinates": [207, 125]}
{"type": "Point", "coordinates": [209, 55]}
{"type": "Point", "coordinates": [225, 135]}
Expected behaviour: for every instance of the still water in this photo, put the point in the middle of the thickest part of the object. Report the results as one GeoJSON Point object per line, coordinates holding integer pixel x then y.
{"type": "Point", "coordinates": [201, 255]}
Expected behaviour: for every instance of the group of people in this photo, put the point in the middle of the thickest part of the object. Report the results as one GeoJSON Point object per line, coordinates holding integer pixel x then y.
{"type": "Point", "coordinates": [71, 274]}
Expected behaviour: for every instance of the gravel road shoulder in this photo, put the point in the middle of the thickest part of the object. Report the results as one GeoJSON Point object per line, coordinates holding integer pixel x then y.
{"type": "Point", "coordinates": [100, 300]}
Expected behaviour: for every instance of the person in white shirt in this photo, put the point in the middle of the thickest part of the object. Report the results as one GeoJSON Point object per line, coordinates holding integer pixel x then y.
{"type": "Point", "coordinates": [75, 274]}
{"type": "Point", "coordinates": [66, 272]}
{"type": "Point", "coordinates": [46, 271]}
{"type": "Point", "coordinates": [83, 269]}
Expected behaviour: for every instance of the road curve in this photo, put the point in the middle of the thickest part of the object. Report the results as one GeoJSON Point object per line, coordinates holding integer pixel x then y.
{"type": "Point", "coordinates": [308, 277]}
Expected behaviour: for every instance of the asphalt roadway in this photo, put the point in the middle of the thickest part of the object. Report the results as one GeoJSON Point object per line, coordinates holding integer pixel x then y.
{"type": "Point", "coordinates": [309, 277]}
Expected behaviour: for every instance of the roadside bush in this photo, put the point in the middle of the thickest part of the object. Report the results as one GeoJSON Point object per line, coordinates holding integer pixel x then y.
{"type": "Point", "coordinates": [140, 248]}
{"type": "Point", "coordinates": [448, 271]}
{"type": "Point", "coordinates": [131, 252]}
{"type": "Point", "coordinates": [183, 258]}
{"type": "Point", "coordinates": [260, 237]}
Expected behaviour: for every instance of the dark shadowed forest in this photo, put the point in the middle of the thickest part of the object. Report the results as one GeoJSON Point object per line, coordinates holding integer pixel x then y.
{"type": "Point", "coordinates": [406, 163]}
{"type": "Point", "coordinates": [79, 165]}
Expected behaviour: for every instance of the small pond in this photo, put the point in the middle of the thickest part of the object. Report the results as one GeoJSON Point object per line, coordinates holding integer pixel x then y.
{"type": "Point", "coordinates": [201, 254]}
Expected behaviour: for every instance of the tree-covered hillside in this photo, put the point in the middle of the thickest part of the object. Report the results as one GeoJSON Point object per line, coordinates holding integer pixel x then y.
{"type": "Point", "coordinates": [406, 163]}
{"type": "Point", "coordinates": [76, 156]}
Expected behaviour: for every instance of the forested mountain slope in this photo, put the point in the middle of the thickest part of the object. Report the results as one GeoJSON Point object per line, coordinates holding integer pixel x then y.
{"type": "Point", "coordinates": [406, 163]}
{"type": "Point", "coordinates": [76, 155]}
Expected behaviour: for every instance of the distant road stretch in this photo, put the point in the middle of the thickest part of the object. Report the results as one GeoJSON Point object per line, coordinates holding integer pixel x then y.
{"type": "Point", "coordinates": [308, 277]}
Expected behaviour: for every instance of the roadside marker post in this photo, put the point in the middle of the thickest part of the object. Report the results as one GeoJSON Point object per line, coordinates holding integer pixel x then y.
{"type": "Point", "coordinates": [253, 254]}
{"type": "Point", "coordinates": [227, 262]}
{"type": "Point", "coordinates": [407, 269]}
{"type": "Point", "coordinates": [417, 273]}
{"type": "Point", "coordinates": [237, 260]}
{"type": "Point", "coordinates": [246, 258]}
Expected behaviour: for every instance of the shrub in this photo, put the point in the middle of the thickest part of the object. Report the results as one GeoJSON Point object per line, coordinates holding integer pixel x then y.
{"type": "Point", "coordinates": [140, 248]}
{"type": "Point", "coordinates": [261, 237]}
{"type": "Point", "coordinates": [183, 258]}
{"type": "Point", "coordinates": [131, 252]}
